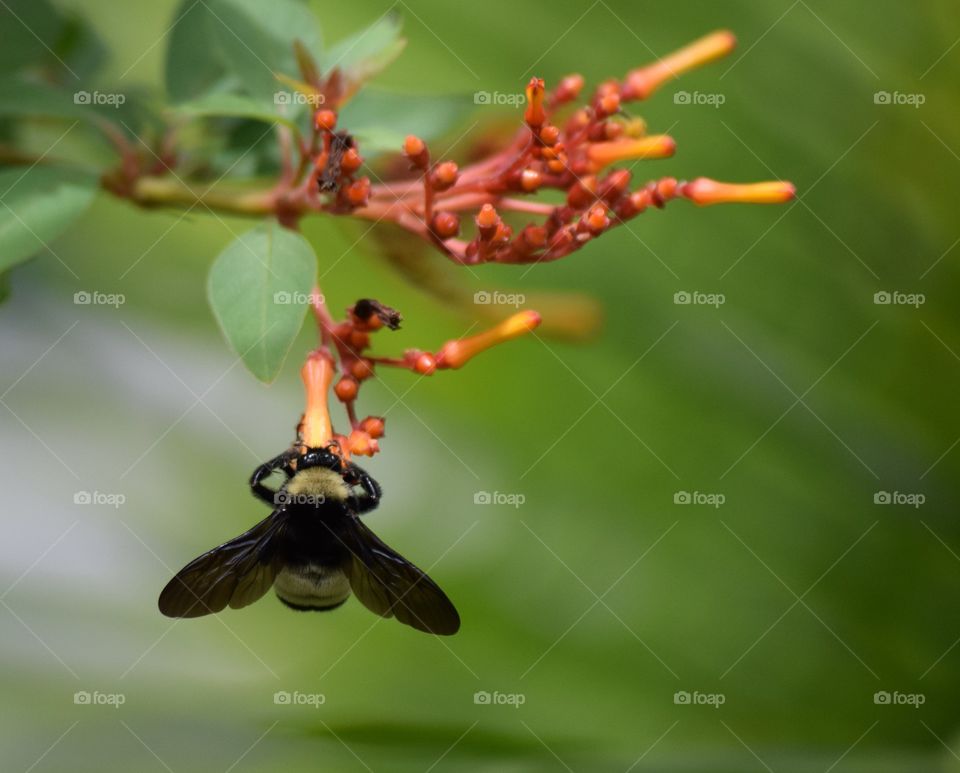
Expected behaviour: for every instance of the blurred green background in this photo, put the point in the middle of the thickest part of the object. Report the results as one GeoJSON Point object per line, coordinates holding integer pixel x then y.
{"type": "Point", "coordinates": [599, 598]}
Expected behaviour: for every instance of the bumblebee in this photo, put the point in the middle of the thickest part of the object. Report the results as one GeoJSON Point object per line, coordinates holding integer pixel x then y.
{"type": "Point", "coordinates": [313, 550]}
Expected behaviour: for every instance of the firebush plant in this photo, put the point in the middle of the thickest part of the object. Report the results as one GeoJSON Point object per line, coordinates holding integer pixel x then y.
{"type": "Point", "coordinates": [260, 120]}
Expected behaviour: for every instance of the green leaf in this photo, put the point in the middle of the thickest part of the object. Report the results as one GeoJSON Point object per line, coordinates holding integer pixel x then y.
{"type": "Point", "coordinates": [386, 117]}
{"type": "Point", "coordinates": [257, 289]}
{"type": "Point", "coordinates": [37, 206]}
{"type": "Point", "coordinates": [231, 105]}
{"type": "Point", "coordinates": [370, 51]}
{"type": "Point", "coordinates": [20, 98]}
{"type": "Point", "coordinates": [81, 49]}
{"type": "Point", "coordinates": [194, 67]}
{"type": "Point", "coordinates": [24, 26]}
{"type": "Point", "coordinates": [256, 39]}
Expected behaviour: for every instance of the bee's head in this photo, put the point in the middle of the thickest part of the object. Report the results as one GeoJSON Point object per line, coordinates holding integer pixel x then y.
{"type": "Point", "coordinates": [329, 456]}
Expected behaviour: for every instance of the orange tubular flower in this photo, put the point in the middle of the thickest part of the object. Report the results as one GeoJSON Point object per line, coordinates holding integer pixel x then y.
{"type": "Point", "coordinates": [642, 82]}
{"type": "Point", "coordinates": [603, 154]}
{"type": "Point", "coordinates": [455, 354]}
{"type": "Point", "coordinates": [315, 428]}
{"type": "Point", "coordinates": [704, 192]}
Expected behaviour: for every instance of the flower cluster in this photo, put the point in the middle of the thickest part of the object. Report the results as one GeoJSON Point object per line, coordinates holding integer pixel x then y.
{"type": "Point", "coordinates": [349, 339]}
{"type": "Point", "coordinates": [568, 150]}
{"type": "Point", "coordinates": [559, 147]}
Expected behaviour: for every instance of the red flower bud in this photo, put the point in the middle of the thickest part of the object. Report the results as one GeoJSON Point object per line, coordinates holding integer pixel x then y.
{"type": "Point", "coordinates": [444, 175]}
{"type": "Point", "coordinates": [359, 339]}
{"type": "Point", "coordinates": [358, 192]}
{"type": "Point", "coordinates": [425, 364]}
{"type": "Point", "coordinates": [415, 149]}
{"type": "Point", "coordinates": [346, 389]}
{"type": "Point", "coordinates": [569, 89]}
{"type": "Point", "coordinates": [373, 426]}
{"type": "Point", "coordinates": [361, 369]}
{"type": "Point", "coordinates": [487, 221]}
{"type": "Point", "coordinates": [583, 192]}
{"type": "Point", "coordinates": [351, 161]}
{"type": "Point", "coordinates": [535, 114]}
{"type": "Point", "coordinates": [530, 180]}
{"type": "Point", "coordinates": [446, 225]}
{"type": "Point", "coordinates": [596, 219]}
{"type": "Point", "coordinates": [325, 120]}
{"type": "Point", "coordinates": [608, 105]}
{"type": "Point", "coordinates": [549, 135]}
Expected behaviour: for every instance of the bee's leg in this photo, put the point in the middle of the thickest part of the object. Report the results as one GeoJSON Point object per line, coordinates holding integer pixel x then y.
{"type": "Point", "coordinates": [372, 492]}
{"type": "Point", "coordinates": [262, 491]}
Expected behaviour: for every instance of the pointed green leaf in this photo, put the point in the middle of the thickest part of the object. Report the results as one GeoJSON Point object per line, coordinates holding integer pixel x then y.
{"type": "Point", "coordinates": [258, 288]}
{"type": "Point", "coordinates": [193, 66]}
{"type": "Point", "coordinates": [23, 30]}
{"type": "Point", "coordinates": [370, 51]}
{"type": "Point", "coordinates": [21, 98]}
{"type": "Point", "coordinates": [256, 39]}
{"type": "Point", "coordinates": [36, 206]}
{"type": "Point", "coordinates": [232, 105]}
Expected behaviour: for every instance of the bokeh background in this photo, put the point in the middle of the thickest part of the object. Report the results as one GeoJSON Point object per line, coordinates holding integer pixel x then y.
{"type": "Point", "coordinates": [599, 598]}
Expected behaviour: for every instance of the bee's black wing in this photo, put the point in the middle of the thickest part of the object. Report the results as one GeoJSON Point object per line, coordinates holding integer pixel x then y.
{"type": "Point", "coordinates": [237, 573]}
{"type": "Point", "coordinates": [389, 585]}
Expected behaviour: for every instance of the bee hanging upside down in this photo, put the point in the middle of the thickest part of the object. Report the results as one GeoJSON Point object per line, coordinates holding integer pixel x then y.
{"type": "Point", "coordinates": [313, 550]}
